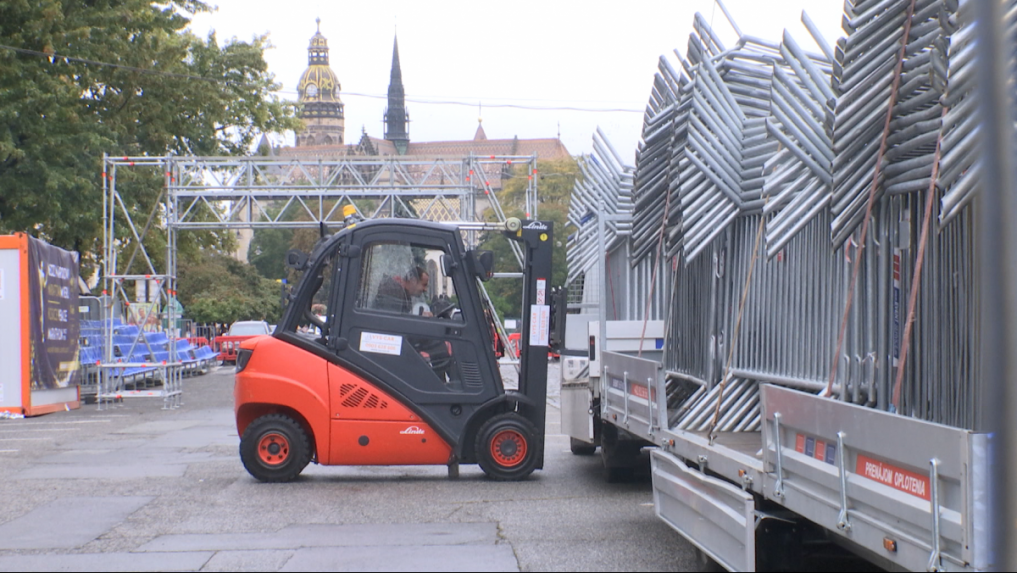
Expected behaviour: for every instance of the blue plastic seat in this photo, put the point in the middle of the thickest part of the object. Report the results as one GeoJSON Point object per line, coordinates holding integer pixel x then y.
{"type": "Point", "coordinates": [157, 338]}
{"type": "Point", "coordinates": [127, 329]}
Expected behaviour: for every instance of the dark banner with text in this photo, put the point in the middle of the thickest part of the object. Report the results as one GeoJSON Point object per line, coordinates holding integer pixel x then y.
{"type": "Point", "coordinates": [53, 294]}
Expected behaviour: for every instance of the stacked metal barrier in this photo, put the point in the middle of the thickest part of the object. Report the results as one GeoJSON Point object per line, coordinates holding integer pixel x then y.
{"type": "Point", "coordinates": [605, 189]}
{"type": "Point", "coordinates": [654, 163]}
{"type": "Point", "coordinates": [799, 176]}
{"type": "Point", "coordinates": [864, 77]}
{"type": "Point", "coordinates": [731, 151]}
{"type": "Point", "coordinates": [959, 170]}
{"type": "Point", "coordinates": [771, 138]}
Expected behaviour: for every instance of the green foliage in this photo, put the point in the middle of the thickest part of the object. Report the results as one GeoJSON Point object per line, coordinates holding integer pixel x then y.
{"type": "Point", "coordinates": [268, 251]}
{"type": "Point", "coordinates": [554, 190]}
{"type": "Point", "coordinates": [269, 246]}
{"type": "Point", "coordinates": [218, 288]}
{"type": "Point", "coordinates": [58, 117]}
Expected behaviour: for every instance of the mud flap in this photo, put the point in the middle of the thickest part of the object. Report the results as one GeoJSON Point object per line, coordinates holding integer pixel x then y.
{"type": "Point", "coordinates": [712, 514]}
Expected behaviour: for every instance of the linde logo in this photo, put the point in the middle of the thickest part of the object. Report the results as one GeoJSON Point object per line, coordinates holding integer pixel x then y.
{"type": "Point", "coordinates": [537, 226]}
{"type": "Point", "coordinates": [412, 431]}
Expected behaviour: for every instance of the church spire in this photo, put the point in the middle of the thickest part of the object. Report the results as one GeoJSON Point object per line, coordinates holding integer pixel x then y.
{"type": "Point", "coordinates": [396, 116]}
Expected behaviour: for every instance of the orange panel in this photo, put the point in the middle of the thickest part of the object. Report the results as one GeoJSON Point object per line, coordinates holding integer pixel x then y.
{"type": "Point", "coordinates": [282, 376]}
{"type": "Point", "coordinates": [368, 443]}
{"type": "Point", "coordinates": [20, 241]}
{"type": "Point", "coordinates": [353, 398]}
{"type": "Point", "coordinates": [15, 241]}
{"type": "Point", "coordinates": [50, 408]}
{"type": "Point", "coordinates": [26, 325]}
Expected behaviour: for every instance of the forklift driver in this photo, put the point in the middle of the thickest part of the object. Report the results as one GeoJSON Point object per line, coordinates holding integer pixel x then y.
{"type": "Point", "coordinates": [396, 294]}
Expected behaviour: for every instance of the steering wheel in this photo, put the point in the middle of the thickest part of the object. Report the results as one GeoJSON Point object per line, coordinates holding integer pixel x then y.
{"type": "Point", "coordinates": [443, 307]}
{"type": "Point", "coordinates": [439, 357]}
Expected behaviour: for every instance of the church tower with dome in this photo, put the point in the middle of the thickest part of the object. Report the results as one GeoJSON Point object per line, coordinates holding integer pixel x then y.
{"type": "Point", "coordinates": [323, 136]}
{"type": "Point", "coordinates": [318, 93]}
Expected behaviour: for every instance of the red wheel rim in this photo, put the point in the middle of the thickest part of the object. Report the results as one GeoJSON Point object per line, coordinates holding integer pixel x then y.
{"type": "Point", "coordinates": [273, 449]}
{"type": "Point", "coordinates": [508, 448]}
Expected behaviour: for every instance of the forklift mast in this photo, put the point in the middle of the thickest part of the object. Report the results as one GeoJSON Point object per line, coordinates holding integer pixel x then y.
{"type": "Point", "coordinates": [538, 240]}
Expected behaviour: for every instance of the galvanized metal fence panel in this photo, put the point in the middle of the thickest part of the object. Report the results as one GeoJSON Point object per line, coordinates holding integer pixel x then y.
{"type": "Point", "coordinates": [605, 191]}
{"type": "Point", "coordinates": [605, 187]}
{"type": "Point", "coordinates": [799, 177]}
{"type": "Point", "coordinates": [960, 169]}
{"type": "Point", "coordinates": [772, 135]}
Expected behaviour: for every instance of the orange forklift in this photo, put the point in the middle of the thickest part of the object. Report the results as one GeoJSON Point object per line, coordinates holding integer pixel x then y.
{"type": "Point", "coordinates": [398, 369]}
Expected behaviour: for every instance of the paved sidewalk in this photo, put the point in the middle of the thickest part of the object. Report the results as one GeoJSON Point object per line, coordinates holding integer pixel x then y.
{"type": "Point", "coordinates": [144, 489]}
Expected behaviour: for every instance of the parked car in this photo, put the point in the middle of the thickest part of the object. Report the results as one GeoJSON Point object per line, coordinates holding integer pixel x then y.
{"type": "Point", "coordinates": [239, 332]}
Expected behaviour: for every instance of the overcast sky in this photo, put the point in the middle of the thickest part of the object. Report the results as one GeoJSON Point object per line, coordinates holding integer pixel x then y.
{"type": "Point", "coordinates": [549, 54]}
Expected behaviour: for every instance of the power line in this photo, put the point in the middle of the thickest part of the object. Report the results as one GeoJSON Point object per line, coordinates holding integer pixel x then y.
{"type": "Point", "coordinates": [504, 105]}
{"type": "Point", "coordinates": [55, 56]}
{"type": "Point", "coordinates": [496, 105]}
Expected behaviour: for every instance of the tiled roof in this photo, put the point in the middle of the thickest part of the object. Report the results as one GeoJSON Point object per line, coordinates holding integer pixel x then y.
{"type": "Point", "coordinates": [544, 148]}
{"type": "Point", "coordinates": [306, 151]}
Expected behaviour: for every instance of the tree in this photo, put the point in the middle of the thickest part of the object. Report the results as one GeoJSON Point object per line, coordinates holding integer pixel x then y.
{"type": "Point", "coordinates": [554, 190]}
{"type": "Point", "coordinates": [268, 251]}
{"type": "Point", "coordinates": [166, 91]}
{"type": "Point", "coordinates": [218, 288]}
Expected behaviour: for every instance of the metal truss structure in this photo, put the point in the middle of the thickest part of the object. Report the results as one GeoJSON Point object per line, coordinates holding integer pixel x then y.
{"type": "Point", "coordinates": [234, 193]}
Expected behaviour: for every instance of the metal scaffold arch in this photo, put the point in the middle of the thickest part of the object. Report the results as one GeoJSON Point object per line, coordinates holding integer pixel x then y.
{"type": "Point", "coordinates": [236, 193]}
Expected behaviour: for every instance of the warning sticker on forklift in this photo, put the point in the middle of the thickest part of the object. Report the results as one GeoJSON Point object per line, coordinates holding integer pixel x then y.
{"type": "Point", "coordinates": [897, 478]}
{"type": "Point", "coordinates": [381, 343]}
{"type": "Point", "coordinates": [540, 324]}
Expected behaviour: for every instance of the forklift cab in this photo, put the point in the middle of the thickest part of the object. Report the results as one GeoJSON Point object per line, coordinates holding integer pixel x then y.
{"type": "Point", "coordinates": [396, 361]}
{"type": "Point", "coordinates": [378, 283]}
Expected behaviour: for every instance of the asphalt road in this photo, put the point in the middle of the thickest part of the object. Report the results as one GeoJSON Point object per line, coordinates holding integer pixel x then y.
{"type": "Point", "coordinates": [141, 488]}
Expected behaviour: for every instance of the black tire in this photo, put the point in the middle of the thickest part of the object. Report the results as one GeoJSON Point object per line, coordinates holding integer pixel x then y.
{"type": "Point", "coordinates": [275, 448]}
{"type": "Point", "coordinates": [704, 563]}
{"type": "Point", "coordinates": [498, 446]}
{"type": "Point", "coordinates": [581, 448]}
{"type": "Point", "coordinates": [619, 457]}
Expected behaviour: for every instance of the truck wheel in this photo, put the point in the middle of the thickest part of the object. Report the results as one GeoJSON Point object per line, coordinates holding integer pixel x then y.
{"type": "Point", "coordinates": [704, 563]}
{"type": "Point", "coordinates": [506, 447]}
{"type": "Point", "coordinates": [619, 457]}
{"type": "Point", "coordinates": [581, 448]}
{"type": "Point", "coordinates": [275, 448]}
